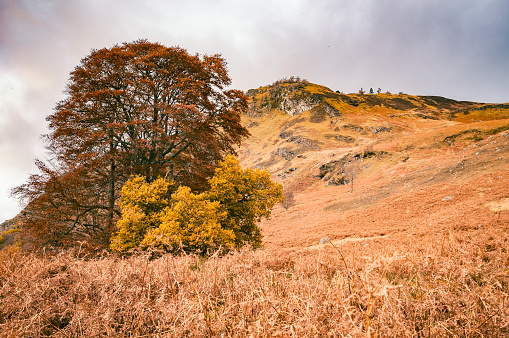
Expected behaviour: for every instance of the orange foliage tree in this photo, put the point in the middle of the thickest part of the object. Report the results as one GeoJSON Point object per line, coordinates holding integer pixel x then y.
{"type": "Point", "coordinates": [138, 108]}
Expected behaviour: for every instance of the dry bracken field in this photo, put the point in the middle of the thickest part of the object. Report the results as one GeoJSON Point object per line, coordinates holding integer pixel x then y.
{"type": "Point", "coordinates": [447, 284]}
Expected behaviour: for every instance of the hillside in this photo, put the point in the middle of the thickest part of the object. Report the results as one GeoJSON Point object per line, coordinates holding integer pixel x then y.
{"type": "Point", "coordinates": [421, 164]}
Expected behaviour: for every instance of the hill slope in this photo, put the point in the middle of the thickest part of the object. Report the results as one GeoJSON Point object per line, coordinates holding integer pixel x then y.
{"type": "Point", "coordinates": [419, 163]}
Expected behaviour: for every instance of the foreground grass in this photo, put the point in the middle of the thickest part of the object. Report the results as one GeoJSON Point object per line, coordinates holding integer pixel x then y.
{"type": "Point", "coordinates": [454, 283]}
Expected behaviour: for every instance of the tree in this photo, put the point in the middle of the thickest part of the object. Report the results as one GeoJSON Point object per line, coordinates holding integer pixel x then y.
{"type": "Point", "coordinates": [225, 216]}
{"type": "Point", "coordinates": [193, 223]}
{"type": "Point", "coordinates": [351, 172]}
{"type": "Point", "coordinates": [141, 205]}
{"type": "Point", "coordinates": [136, 108]}
{"type": "Point", "coordinates": [66, 204]}
{"type": "Point", "coordinates": [371, 91]}
{"type": "Point", "coordinates": [247, 196]}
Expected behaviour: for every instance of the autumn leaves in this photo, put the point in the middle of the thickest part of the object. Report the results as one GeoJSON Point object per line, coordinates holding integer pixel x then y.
{"type": "Point", "coordinates": [160, 215]}
{"type": "Point", "coordinates": [136, 109]}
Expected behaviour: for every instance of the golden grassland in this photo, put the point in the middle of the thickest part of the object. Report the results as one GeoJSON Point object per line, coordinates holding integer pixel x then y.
{"type": "Point", "coordinates": [452, 283]}
{"type": "Point", "coordinates": [484, 115]}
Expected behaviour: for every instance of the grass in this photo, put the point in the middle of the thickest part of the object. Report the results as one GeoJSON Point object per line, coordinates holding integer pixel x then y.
{"type": "Point", "coordinates": [455, 283]}
{"type": "Point", "coordinates": [483, 115]}
{"type": "Point", "coordinates": [476, 135]}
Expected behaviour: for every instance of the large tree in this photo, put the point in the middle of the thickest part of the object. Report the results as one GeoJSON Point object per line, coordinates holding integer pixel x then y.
{"type": "Point", "coordinates": [137, 108]}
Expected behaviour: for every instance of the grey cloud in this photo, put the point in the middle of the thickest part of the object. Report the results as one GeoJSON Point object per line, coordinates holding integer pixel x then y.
{"type": "Point", "coordinates": [18, 140]}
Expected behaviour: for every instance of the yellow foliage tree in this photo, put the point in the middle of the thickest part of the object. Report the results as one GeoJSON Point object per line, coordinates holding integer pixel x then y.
{"type": "Point", "coordinates": [247, 196]}
{"type": "Point", "coordinates": [192, 223]}
{"type": "Point", "coordinates": [224, 217]}
{"type": "Point", "coordinates": [141, 204]}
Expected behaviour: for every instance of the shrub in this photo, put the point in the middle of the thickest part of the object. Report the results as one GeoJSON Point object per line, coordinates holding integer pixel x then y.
{"type": "Point", "coordinates": [247, 196]}
{"type": "Point", "coordinates": [141, 205]}
{"type": "Point", "coordinates": [9, 237]}
{"type": "Point", "coordinates": [223, 217]}
{"type": "Point", "coordinates": [193, 223]}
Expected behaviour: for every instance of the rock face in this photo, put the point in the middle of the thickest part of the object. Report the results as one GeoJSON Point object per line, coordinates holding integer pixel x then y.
{"type": "Point", "coordinates": [296, 106]}
{"type": "Point", "coordinates": [381, 129]}
{"type": "Point", "coordinates": [286, 153]}
{"type": "Point", "coordinates": [339, 172]}
{"type": "Point", "coordinates": [297, 103]}
{"type": "Point", "coordinates": [341, 138]}
{"type": "Point", "coordinates": [7, 225]}
{"type": "Point", "coordinates": [324, 240]}
{"type": "Point", "coordinates": [291, 97]}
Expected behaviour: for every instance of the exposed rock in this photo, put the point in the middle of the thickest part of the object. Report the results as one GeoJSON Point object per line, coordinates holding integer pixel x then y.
{"type": "Point", "coordinates": [286, 134]}
{"type": "Point", "coordinates": [334, 171]}
{"type": "Point", "coordinates": [353, 127]}
{"type": "Point", "coordinates": [380, 129]}
{"type": "Point", "coordinates": [369, 154]}
{"type": "Point", "coordinates": [296, 107]}
{"type": "Point", "coordinates": [286, 153]}
{"type": "Point", "coordinates": [339, 180]}
{"type": "Point", "coordinates": [347, 139]}
{"type": "Point", "coordinates": [336, 166]}
{"type": "Point", "coordinates": [324, 240]}
{"type": "Point", "coordinates": [304, 142]}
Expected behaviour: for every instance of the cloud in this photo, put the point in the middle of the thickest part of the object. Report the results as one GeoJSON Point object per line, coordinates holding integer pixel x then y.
{"type": "Point", "coordinates": [18, 140]}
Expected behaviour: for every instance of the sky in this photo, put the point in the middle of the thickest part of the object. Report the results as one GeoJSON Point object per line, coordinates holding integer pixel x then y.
{"type": "Point", "coordinates": [456, 48]}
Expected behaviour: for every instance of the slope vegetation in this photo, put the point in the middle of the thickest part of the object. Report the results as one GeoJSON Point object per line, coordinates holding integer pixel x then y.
{"type": "Point", "coordinates": [377, 165]}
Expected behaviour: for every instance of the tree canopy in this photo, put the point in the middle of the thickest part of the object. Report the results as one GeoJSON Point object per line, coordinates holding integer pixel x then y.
{"type": "Point", "coordinates": [223, 217]}
{"type": "Point", "coordinates": [138, 108]}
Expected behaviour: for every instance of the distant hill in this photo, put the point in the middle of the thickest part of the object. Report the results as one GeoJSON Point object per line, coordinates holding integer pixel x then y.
{"type": "Point", "coordinates": [315, 140]}
{"type": "Point", "coordinates": [297, 96]}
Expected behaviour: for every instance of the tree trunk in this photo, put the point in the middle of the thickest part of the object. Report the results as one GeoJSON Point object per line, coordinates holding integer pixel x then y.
{"type": "Point", "coordinates": [111, 195]}
{"type": "Point", "coordinates": [172, 167]}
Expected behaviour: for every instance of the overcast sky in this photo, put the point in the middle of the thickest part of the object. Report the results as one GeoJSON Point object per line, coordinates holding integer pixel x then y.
{"type": "Point", "coordinates": [453, 48]}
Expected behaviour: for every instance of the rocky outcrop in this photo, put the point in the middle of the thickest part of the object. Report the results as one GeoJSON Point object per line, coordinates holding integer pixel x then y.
{"type": "Point", "coordinates": [286, 153]}
{"type": "Point", "coordinates": [296, 106]}
{"type": "Point", "coordinates": [293, 98]}
{"type": "Point", "coordinates": [339, 172]}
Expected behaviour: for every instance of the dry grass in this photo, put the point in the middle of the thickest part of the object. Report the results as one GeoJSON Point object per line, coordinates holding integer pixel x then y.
{"type": "Point", "coordinates": [455, 283]}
